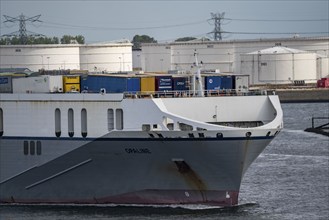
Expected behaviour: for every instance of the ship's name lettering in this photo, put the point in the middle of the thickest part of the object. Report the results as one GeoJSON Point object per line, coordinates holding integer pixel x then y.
{"type": "Point", "coordinates": [137, 150]}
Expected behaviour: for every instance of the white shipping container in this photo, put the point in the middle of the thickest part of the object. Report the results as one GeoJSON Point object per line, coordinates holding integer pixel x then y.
{"type": "Point", "coordinates": [38, 84]}
{"type": "Point", "coordinates": [241, 83]}
{"type": "Point", "coordinates": [6, 84]}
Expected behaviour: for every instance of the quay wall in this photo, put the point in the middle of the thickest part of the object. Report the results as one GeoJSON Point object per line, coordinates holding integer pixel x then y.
{"type": "Point", "coordinates": [303, 95]}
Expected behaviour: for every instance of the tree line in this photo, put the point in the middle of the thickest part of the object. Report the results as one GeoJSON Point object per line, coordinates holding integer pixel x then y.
{"type": "Point", "coordinates": [79, 39]}
{"type": "Point", "coordinates": [66, 39]}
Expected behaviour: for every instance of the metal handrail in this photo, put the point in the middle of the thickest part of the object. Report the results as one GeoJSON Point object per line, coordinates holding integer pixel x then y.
{"type": "Point", "coordinates": [319, 118]}
{"type": "Point", "coordinates": [190, 93]}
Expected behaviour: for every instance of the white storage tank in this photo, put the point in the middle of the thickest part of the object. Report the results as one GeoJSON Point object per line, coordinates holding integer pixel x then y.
{"type": "Point", "coordinates": [279, 65]}
{"type": "Point", "coordinates": [106, 57]}
{"type": "Point", "coordinates": [41, 56]}
{"type": "Point", "coordinates": [38, 84]}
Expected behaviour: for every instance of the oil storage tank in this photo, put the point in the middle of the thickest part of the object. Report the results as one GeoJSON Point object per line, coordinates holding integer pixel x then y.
{"type": "Point", "coordinates": [279, 65]}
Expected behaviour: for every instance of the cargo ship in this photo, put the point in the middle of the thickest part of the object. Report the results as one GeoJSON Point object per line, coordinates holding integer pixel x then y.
{"type": "Point", "coordinates": [177, 147]}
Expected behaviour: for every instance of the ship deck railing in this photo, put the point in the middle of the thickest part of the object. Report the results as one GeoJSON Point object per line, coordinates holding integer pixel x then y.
{"type": "Point", "coordinates": [190, 93]}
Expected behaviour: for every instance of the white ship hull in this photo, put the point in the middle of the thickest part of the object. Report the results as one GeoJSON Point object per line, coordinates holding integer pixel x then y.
{"type": "Point", "coordinates": [153, 151]}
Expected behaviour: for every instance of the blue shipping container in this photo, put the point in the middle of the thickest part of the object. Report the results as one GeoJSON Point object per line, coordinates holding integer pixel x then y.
{"type": "Point", "coordinates": [133, 85]}
{"type": "Point", "coordinates": [179, 83]}
{"type": "Point", "coordinates": [84, 83]}
{"type": "Point", "coordinates": [163, 83]}
{"type": "Point", "coordinates": [226, 82]}
{"type": "Point", "coordinates": [213, 82]}
{"type": "Point", "coordinates": [111, 84]}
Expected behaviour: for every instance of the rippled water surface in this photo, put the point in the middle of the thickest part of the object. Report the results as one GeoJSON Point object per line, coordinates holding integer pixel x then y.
{"type": "Point", "coordinates": [289, 180]}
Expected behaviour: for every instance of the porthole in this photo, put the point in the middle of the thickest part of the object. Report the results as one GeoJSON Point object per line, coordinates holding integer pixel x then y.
{"type": "Point", "coordinates": [38, 147]}
{"type": "Point", "coordinates": [57, 122]}
{"type": "Point", "coordinates": [1, 122]}
{"type": "Point", "coordinates": [84, 123]}
{"type": "Point", "coordinates": [268, 134]}
{"type": "Point", "coordinates": [119, 119]}
{"type": "Point", "coordinates": [71, 122]}
{"type": "Point", "coordinates": [248, 134]}
{"type": "Point", "coordinates": [26, 147]}
{"type": "Point", "coordinates": [32, 147]}
{"type": "Point", "coordinates": [110, 119]}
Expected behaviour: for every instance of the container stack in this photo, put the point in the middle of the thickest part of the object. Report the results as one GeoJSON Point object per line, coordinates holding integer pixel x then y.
{"type": "Point", "coordinates": [145, 84]}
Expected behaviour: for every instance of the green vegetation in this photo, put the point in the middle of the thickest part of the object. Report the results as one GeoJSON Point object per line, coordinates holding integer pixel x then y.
{"type": "Point", "coordinates": [185, 39]}
{"type": "Point", "coordinates": [66, 39]}
{"type": "Point", "coordinates": [138, 39]}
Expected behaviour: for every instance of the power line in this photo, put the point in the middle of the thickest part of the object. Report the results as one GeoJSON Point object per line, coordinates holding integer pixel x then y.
{"type": "Point", "coordinates": [279, 33]}
{"type": "Point", "coordinates": [276, 20]}
{"type": "Point", "coordinates": [217, 18]}
{"type": "Point", "coordinates": [22, 33]}
{"type": "Point", "coordinates": [126, 28]}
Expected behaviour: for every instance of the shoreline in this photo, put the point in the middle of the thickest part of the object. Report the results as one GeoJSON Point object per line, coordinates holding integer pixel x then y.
{"type": "Point", "coordinates": [303, 95]}
{"type": "Point", "coordinates": [297, 94]}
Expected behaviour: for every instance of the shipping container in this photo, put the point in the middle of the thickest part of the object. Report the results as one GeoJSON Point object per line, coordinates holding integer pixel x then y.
{"type": "Point", "coordinates": [72, 87]}
{"type": "Point", "coordinates": [241, 83]}
{"type": "Point", "coordinates": [96, 83]}
{"type": "Point", "coordinates": [71, 79]}
{"type": "Point", "coordinates": [326, 81]}
{"type": "Point", "coordinates": [147, 84]}
{"type": "Point", "coordinates": [180, 83]}
{"type": "Point", "coordinates": [213, 82]}
{"type": "Point", "coordinates": [163, 83]}
{"type": "Point", "coordinates": [39, 84]}
{"type": "Point", "coordinates": [226, 82]}
{"type": "Point", "coordinates": [323, 83]}
{"type": "Point", "coordinates": [110, 84]}
{"type": "Point", "coordinates": [6, 85]}
{"type": "Point", "coordinates": [133, 85]}
{"type": "Point", "coordinates": [84, 83]}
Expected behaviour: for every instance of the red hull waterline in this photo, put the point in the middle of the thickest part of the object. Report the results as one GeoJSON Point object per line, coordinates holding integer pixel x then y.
{"type": "Point", "coordinates": [148, 197]}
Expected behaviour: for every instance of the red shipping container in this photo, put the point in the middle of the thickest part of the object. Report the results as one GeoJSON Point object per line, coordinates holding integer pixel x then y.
{"type": "Point", "coordinates": [323, 83]}
{"type": "Point", "coordinates": [326, 83]}
{"type": "Point", "coordinates": [319, 83]}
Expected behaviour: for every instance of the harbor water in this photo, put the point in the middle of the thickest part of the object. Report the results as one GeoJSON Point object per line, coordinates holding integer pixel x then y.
{"type": "Point", "coordinates": [289, 180]}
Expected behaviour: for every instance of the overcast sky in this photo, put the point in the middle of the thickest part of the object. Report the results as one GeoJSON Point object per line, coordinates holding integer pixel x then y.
{"type": "Point", "coordinates": [100, 21]}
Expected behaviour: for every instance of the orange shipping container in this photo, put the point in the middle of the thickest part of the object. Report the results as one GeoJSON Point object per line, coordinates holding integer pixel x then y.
{"type": "Point", "coordinates": [147, 84]}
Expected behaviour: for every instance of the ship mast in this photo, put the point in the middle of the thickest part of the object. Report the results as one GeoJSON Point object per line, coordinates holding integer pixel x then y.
{"type": "Point", "coordinates": [198, 88]}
